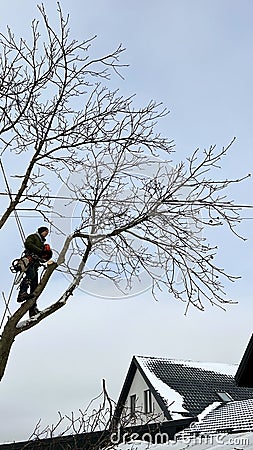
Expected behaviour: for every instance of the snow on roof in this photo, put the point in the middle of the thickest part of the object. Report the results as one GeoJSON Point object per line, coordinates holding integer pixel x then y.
{"type": "Point", "coordinates": [172, 398]}
{"type": "Point", "coordinates": [207, 410]}
{"type": "Point", "coordinates": [188, 387]}
{"type": "Point", "coordinates": [233, 416]}
{"type": "Point", "coordinates": [226, 369]}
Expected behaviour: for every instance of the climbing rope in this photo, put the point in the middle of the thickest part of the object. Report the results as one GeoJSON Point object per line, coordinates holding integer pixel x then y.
{"type": "Point", "coordinates": [7, 301]}
{"type": "Point", "coordinates": [19, 224]}
{"type": "Point", "coordinates": [17, 278]}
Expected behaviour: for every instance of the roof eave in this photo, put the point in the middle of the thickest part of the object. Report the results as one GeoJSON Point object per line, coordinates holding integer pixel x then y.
{"type": "Point", "coordinates": [124, 391]}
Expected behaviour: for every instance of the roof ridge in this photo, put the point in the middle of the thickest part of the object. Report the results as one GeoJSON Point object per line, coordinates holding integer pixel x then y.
{"type": "Point", "coordinates": [181, 361]}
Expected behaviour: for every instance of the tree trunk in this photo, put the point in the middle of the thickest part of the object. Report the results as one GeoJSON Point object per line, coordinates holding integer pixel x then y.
{"type": "Point", "coordinates": [9, 333]}
{"type": "Point", "coordinates": [6, 341]}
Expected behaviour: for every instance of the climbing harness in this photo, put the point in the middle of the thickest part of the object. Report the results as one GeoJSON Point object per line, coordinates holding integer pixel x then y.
{"type": "Point", "coordinates": [20, 265]}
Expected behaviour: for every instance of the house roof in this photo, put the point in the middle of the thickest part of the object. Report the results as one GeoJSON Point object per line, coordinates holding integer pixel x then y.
{"type": "Point", "coordinates": [184, 388]}
{"type": "Point", "coordinates": [232, 417]}
{"type": "Point", "coordinates": [197, 383]}
{"type": "Point", "coordinates": [244, 374]}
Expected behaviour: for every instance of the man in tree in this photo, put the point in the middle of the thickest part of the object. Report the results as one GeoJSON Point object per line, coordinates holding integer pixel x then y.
{"type": "Point", "coordinates": [37, 252]}
{"type": "Point", "coordinates": [57, 110]}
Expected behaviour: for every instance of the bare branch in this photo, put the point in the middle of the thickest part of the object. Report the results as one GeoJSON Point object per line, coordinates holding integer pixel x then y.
{"type": "Point", "coordinates": [138, 215]}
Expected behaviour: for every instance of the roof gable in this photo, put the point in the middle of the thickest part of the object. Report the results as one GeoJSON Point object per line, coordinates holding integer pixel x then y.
{"type": "Point", "coordinates": [183, 388]}
{"type": "Point", "coordinates": [169, 399]}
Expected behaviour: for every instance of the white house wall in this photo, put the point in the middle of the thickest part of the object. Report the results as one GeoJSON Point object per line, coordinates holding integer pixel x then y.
{"type": "Point", "coordinates": [137, 388]}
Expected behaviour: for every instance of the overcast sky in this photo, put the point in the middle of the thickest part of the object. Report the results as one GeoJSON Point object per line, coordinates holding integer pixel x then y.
{"type": "Point", "coordinates": [196, 57]}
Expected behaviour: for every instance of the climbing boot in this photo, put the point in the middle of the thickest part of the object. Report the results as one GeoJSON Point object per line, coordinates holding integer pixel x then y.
{"type": "Point", "coordinates": [33, 311]}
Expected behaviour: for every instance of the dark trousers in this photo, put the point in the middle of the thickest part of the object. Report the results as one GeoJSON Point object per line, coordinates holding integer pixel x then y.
{"type": "Point", "coordinates": [31, 280]}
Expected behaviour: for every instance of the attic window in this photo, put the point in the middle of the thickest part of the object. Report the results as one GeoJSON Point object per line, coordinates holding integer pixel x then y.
{"type": "Point", "coordinates": [147, 401]}
{"type": "Point", "coordinates": [225, 397]}
{"type": "Point", "coordinates": [132, 405]}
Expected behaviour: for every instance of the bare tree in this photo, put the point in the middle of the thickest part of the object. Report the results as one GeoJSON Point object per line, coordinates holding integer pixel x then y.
{"type": "Point", "coordinates": [93, 423]}
{"type": "Point", "coordinates": [95, 427]}
{"type": "Point", "coordinates": [59, 123]}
